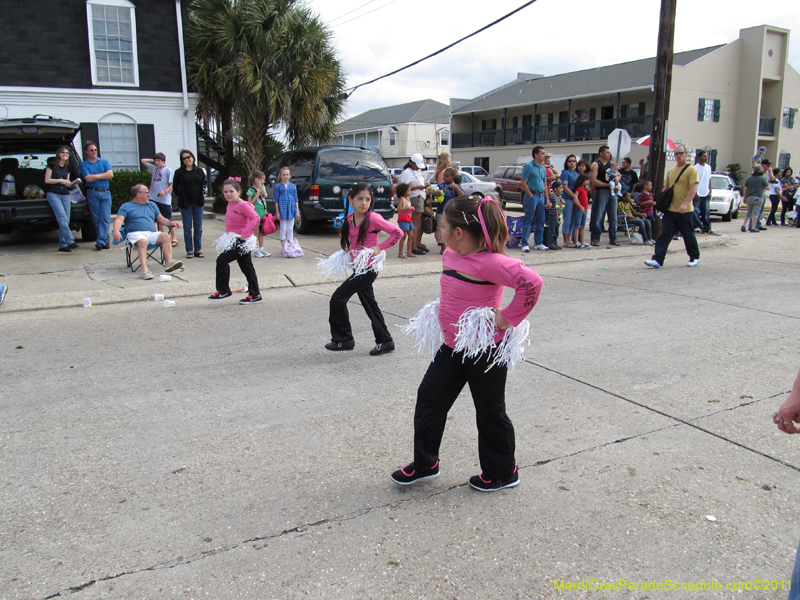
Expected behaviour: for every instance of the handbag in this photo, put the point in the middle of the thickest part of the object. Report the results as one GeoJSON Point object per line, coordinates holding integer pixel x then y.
{"type": "Point", "coordinates": [428, 223]}
{"type": "Point", "coordinates": [268, 226]}
{"type": "Point", "coordinates": [665, 198]}
{"type": "Point", "coordinates": [76, 195]}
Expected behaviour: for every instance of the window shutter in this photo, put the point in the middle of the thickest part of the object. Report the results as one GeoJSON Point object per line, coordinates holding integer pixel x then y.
{"type": "Point", "coordinates": [147, 141]}
{"type": "Point", "coordinates": [641, 109]}
{"type": "Point", "coordinates": [623, 111]}
{"type": "Point", "coordinates": [89, 131]}
{"type": "Point", "coordinates": [791, 118]}
{"type": "Point", "coordinates": [701, 110]}
{"type": "Point", "coordinates": [717, 104]}
{"type": "Point", "coordinates": [712, 159]}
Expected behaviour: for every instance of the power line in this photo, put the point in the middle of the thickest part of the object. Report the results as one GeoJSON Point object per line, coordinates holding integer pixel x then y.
{"type": "Point", "coordinates": [484, 28]}
{"type": "Point", "coordinates": [366, 13]}
{"type": "Point", "coordinates": [350, 12]}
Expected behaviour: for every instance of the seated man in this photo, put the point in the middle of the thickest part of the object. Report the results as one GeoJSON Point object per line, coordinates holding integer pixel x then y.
{"type": "Point", "coordinates": [140, 216]}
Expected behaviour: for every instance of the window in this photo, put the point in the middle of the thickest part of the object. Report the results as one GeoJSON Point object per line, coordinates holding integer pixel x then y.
{"type": "Point", "coordinates": [489, 125]}
{"type": "Point", "coordinates": [393, 138]}
{"type": "Point", "coordinates": [708, 110]}
{"type": "Point", "coordinates": [112, 42]}
{"type": "Point", "coordinates": [120, 145]}
{"type": "Point", "coordinates": [444, 137]}
{"type": "Point", "coordinates": [784, 160]}
{"type": "Point", "coordinates": [607, 113]}
{"type": "Point", "coordinates": [632, 110]}
{"type": "Point", "coordinates": [788, 118]}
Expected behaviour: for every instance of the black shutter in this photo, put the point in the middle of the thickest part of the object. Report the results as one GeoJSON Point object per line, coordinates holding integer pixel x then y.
{"type": "Point", "coordinates": [592, 114]}
{"type": "Point", "coordinates": [147, 141]}
{"type": "Point", "coordinates": [717, 104]}
{"type": "Point", "coordinates": [701, 110]}
{"type": "Point", "coordinates": [623, 111]}
{"type": "Point", "coordinates": [89, 132]}
{"type": "Point", "coordinates": [712, 159]}
{"type": "Point", "coordinates": [791, 118]}
{"type": "Point", "coordinates": [641, 109]}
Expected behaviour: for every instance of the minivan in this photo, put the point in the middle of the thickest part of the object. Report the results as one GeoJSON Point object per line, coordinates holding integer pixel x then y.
{"type": "Point", "coordinates": [323, 176]}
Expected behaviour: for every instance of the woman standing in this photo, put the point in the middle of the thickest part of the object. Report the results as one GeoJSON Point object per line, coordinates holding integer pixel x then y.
{"type": "Point", "coordinates": [57, 177]}
{"type": "Point", "coordinates": [569, 177]}
{"type": "Point", "coordinates": [189, 185]}
{"type": "Point", "coordinates": [789, 186]}
{"type": "Point", "coordinates": [412, 175]}
{"type": "Point", "coordinates": [441, 164]}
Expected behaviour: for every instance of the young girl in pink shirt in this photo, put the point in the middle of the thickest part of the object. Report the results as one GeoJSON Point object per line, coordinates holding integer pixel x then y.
{"type": "Point", "coordinates": [480, 340]}
{"type": "Point", "coordinates": [359, 232]}
{"type": "Point", "coordinates": [236, 244]}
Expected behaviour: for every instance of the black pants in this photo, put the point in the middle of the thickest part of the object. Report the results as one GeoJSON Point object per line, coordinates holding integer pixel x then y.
{"type": "Point", "coordinates": [245, 264]}
{"type": "Point", "coordinates": [774, 201]}
{"type": "Point", "coordinates": [787, 203]}
{"type": "Point", "coordinates": [340, 318]}
{"type": "Point", "coordinates": [670, 223]}
{"type": "Point", "coordinates": [439, 389]}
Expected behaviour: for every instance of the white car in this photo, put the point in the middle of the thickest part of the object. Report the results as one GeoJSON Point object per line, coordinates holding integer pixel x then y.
{"type": "Point", "coordinates": [472, 186]}
{"type": "Point", "coordinates": [476, 171]}
{"type": "Point", "coordinates": [725, 197]}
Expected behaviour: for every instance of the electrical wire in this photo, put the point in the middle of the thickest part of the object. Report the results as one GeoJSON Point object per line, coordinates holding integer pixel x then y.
{"type": "Point", "coordinates": [366, 13]}
{"type": "Point", "coordinates": [466, 37]}
{"type": "Point", "coordinates": [351, 12]}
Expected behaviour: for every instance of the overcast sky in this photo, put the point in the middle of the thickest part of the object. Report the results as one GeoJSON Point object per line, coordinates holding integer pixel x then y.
{"type": "Point", "coordinates": [548, 37]}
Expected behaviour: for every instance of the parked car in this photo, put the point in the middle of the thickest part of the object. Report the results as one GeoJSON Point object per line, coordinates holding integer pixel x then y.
{"type": "Point", "coordinates": [509, 180]}
{"type": "Point", "coordinates": [323, 176]}
{"type": "Point", "coordinates": [25, 146]}
{"type": "Point", "coordinates": [395, 173]}
{"type": "Point", "coordinates": [726, 197]}
{"type": "Point", "coordinates": [472, 186]}
{"type": "Point", "coordinates": [477, 172]}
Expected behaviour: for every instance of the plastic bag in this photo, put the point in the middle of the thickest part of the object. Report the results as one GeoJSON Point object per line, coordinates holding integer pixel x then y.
{"type": "Point", "coordinates": [9, 186]}
{"type": "Point", "coordinates": [636, 238]}
{"type": "Point", "coordinates": [76, 195]}
{"type": "Point", "coordinates": [32, 191]}
{"type": "Point", "coordinates": [292, 249]}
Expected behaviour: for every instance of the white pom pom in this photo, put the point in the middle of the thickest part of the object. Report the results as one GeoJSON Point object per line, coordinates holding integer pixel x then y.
{"type": "Point", "coordinates": [476, 331]}
{"type": "Point", "coordinates": [512, 348]}
{"type": "Point", "coordinates": [226, 241]}
{"type": "Point", "coordinates": [336, 265]}
{"type": "Point", "coordinates": [249, 245]}
{"type": "Point", "coordinates": [425, 328]}
{"type": "Point", "coordinates": [365, 262]}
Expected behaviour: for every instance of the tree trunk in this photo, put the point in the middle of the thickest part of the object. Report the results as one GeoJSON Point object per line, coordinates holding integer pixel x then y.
{"type": "Point", "coordinates": [254, 148]}
{"type": "Point", "coordinates": [227, 136]}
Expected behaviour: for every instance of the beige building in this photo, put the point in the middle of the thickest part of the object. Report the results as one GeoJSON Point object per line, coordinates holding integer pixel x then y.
{"type": "Point", "coordinates": [727, 99]}
{"type": "Point", "coordinates": [397, 132]}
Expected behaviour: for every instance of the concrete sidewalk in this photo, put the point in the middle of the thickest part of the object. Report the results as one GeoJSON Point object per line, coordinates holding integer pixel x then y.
{"type": "Point", "coordinates": [40, 277]}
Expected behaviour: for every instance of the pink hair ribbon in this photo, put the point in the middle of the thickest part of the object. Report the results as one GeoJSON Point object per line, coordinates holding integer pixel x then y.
{"type": "Point", "coordinates": [483, 223]}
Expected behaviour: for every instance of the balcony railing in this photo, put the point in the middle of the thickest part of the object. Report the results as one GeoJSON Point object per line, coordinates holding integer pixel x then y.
{"type": "Point", "coordinates": [766, 126]}
{"type": "Point", "coordinates": [561, 132]}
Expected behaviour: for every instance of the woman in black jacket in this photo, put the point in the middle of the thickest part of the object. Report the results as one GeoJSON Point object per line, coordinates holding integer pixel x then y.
{"type": "Point", "coordinates": [189, 188]}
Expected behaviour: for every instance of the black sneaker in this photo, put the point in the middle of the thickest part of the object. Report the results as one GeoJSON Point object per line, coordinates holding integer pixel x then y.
{"type": "Point", "coordinates": [382, 349]}
{"type": "Point", "coordinates": [217, 296]}
{"type": "Point", "coordinates": [409, 474]}
{"type": "Point", "coordinates": [73, 246]}
{"type": "Point", "coordinates": [251, 300]}
{"type": "Point", "coordinates": [336, 346]}
{"type": "Point", "coordinates": [488, 485]}
{"type": "Point", "coordinates": [65, 249]}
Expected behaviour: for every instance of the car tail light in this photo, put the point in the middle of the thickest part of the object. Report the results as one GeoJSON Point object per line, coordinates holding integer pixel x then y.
{"type": "Point", "coordinates": [391, 192]}
{"type": "Point", "coordinates": [313, 196]}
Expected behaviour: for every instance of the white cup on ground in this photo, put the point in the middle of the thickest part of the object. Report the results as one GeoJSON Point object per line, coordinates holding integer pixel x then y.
{"type": "Point", "coordinates": [168, 303]}
{"type": "Point", "coordinates": [158, 297]}
{"type": "Point", "coordinates": [87, 303]}
{"type": "Point", "coordinates": [164, 277]}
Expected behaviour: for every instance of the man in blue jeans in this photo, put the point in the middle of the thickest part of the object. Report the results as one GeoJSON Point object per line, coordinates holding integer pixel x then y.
{"type": "Point", "coordinates": [602, 203]}
{"type": "Point", "coordinates": [96, 172]}
{"type": "Point", "coordinates": [534, 176]}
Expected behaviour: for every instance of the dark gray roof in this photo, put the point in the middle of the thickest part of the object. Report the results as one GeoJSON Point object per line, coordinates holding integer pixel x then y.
{"type": "Point", "coordinates": [613, 78]}
{"type": "Point", "coordinates": [421, 111]}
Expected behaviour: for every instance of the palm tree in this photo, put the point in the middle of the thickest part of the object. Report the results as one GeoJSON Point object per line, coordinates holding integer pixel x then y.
{"type": "Point", "coordinates": [262, 64]}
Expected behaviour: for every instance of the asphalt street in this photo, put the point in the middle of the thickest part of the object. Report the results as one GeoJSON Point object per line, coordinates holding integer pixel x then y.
{"type": "Point", "coordinates": [213, 450]}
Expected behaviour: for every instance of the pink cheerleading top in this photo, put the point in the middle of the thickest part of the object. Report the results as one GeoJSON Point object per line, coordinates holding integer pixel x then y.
{"type": "Point", "coordinates": [497, 272]}
{"type": "Point", "coordinates": [376, 224]}
{"type": "Point", "coordinates": [241, 218]}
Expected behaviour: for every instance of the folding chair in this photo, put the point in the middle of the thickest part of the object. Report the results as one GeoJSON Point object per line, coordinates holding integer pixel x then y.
{"type": "Point", "coordinates": [622, 225]}
{"type": "Point", "coordinates": [132, 254]}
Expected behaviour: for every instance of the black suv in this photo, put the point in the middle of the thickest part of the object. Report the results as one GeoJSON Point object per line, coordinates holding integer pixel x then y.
{"type": "Point", "coordinates": [323, 176]}
{"type": "Point", "coordinates": [25, 146]}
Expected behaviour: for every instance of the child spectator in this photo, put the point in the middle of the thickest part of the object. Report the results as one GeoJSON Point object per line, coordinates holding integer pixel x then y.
{"type": "Point", "coordinates": [555, 214]}
{"type": "Point", "coordinates": [286, 205]}
{"type": "Point", "coordinates": [404, 212]}
{"type": "Point", "coordinates": [582, 187]}
{"type": "Point", "coordinates": [257, 196]}
{"type": "Point", "coordinates": [451, 189]}
{"type": "Point", "coordinates": [625, 207]}
{"type": "Point", "coordinates": [613, 177]}
{"type": "Point", "coordinates": [646, 201]}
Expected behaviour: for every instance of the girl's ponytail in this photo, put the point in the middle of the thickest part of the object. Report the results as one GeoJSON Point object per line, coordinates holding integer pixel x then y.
{"type": "Point", "coordinates": [481, 219]}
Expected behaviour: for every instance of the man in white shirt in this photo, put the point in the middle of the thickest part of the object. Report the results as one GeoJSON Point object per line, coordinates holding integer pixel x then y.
{"type": "Point", "coordinates": [703, 198]}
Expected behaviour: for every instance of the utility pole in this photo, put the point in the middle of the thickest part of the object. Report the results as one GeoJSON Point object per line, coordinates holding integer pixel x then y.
{"type": "Point", "coordinates": [663, 85]}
